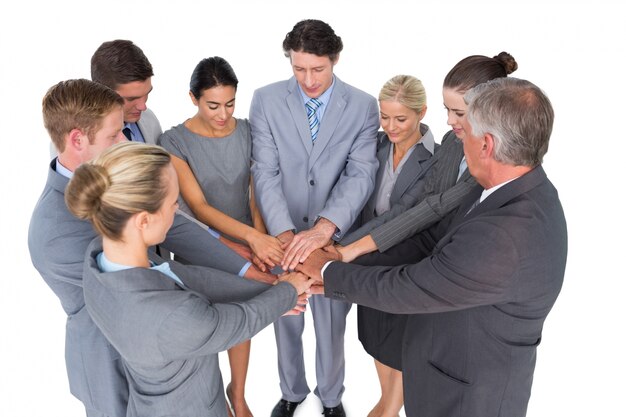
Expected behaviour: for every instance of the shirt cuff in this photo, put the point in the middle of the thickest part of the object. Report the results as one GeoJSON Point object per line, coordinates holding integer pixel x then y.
{"type": "Point", "coordinates": [245, 268]}
{"type": "Point", "coordinates": [324, 268]}
{"type": "Point", "coordinates": [213, 233]}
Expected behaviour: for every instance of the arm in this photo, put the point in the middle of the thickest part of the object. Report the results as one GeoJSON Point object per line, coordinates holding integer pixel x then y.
{"type": "Point", "coordinates": [266, 171]}
{"type": "Point", "coordinates": [429, 211]}
{"type": "Point", "coordinates": [267, 248]}
{"type": "Point", "coordinates": [455, 277]}
{"type": "Point", "coordinates": [195, 244]}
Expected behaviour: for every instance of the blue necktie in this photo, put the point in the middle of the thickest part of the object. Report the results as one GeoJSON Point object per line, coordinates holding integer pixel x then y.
{"type": "Point", "coordinates": [311, 111]}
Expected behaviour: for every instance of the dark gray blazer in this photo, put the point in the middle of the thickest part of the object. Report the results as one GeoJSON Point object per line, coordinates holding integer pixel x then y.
{"type": "Point", "coordinates": [478, 288]}
{"type": "Point", "coordinates": [57, 242]}
{"type": "Point", "coordinates": [444, 194]}
{"type": "Point", "coordinates": [407, 191]}
{"type": "Point", "coordinates": [169, 337]}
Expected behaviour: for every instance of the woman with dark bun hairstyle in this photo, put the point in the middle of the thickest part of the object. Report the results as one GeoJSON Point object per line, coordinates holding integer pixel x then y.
{"type": "Point", "coordinates": [167, 321]}
{"type": "Point", "coordinates": [445, 186]}
{"type": "Point", "coordinates": [211, 152]}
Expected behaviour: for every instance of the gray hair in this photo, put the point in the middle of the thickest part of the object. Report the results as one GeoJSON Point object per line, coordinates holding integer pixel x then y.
{"type": "Point", "coordinates": [517, 114]}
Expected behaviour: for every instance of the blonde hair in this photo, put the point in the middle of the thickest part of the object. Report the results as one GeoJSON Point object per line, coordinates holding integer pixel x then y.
{"type": "Point", "coordinates": [126, 179]}
{"type": "Point", "coordinates": [406, 90]}
{"type": "Point", "coordinates": [77, 104]}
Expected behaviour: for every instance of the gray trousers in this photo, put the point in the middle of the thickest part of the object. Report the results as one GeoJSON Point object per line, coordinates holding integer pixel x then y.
{"type": "Point", "coordinates": [329, 320]}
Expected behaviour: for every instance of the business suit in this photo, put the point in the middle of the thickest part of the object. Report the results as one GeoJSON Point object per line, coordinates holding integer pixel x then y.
{"type": "Point", "coordinates": [477, 301]}
{"type": "Point", "coordinates": [150, 127]}
{"type": "Point", "coordinates": [444, 193]}
{"type": "Point", "coordinates": [169, 337]}
{"type": "Point", "coordinates": [297, 182]}
{"type": "Point", "coordinates": [57, 242]}
{"type": "Point", "coordinates": [379, 332]}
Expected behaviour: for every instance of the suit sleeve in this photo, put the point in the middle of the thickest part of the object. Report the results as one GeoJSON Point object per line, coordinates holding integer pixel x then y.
{"type": "Point", "coordinates": [428, 212]}
{"type": "Point", "coordinates": [197, 246]}
{"type": "Point", "coordinates": [198, 327]}
{"type": "Point", "coordinates": [455, 277]}
{"type": "Point", "coordinates": [356, 182]}
{"type": "Point", "coordinates": [266, 171]}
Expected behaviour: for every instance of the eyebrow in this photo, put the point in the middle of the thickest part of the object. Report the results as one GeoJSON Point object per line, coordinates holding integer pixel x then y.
{"type": "Point", "coordinates": [215, 102]}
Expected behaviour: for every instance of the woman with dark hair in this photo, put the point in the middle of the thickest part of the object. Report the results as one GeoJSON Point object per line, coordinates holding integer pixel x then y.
{"type": "Point", "coordinates": [168, 321]}
{"type": "Point", "coordinates": [212, 154]}
{"type": "Point", "coordinates": [445, 186]}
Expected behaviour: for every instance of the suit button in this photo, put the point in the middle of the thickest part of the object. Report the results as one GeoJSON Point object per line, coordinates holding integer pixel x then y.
{"type": "Point", "coordinates": [312, 182]}
{"type": "Point", "coordinates": [305, 219]}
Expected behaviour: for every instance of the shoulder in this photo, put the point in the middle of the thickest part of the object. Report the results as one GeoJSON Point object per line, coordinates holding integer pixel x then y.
{"type": "Point", "coordinates": [272, 89]}
{"type": "Point", "coordinates": [173, 135]}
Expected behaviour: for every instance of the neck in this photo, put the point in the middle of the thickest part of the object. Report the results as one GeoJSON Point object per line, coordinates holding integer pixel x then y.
{"type": "Point", "coordinates": [503, 174]}
{"type": "Point", "coordinates": [202, 128]}
{"type": "Point", "coordinates": [128, 253]}
{"type": "Point", "coordinates": [70, 162]}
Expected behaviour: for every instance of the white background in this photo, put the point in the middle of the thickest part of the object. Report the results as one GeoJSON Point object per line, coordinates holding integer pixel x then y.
{"type": "Point", "coordinates": [575, 53]}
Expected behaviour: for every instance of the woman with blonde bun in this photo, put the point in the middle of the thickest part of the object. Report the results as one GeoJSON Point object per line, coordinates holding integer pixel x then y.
{"type": "Point", "coordinates": [168, 321]}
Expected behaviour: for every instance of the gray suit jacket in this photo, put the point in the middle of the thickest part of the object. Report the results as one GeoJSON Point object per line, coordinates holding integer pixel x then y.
{"type": "Point", "coordinates": [296, 182]}
{"type": "Point", "coordinates": [479, 287]}
{"type": "Point", "coordinates": [169, 337]}
{"type": "Point", "coordinates": [444, 195]}
{"type": "Point", "coordinates": [150, 127]}
{"type": "Point", "coordinates": [407, 191]}
{"type": "Point", "coordinates": [57, 242]}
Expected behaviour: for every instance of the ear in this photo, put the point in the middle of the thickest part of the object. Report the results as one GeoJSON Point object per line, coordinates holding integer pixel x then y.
{"type": "Point", "coordinates": [141, 220]}
{"type": "Point", "coordinates": [488, 146]}
{"type": "Point", "coordinates": [193, 99]}
{"type": "Point", "coordinates": [77, 140]}
{"type": "Point", "coordinates": [421, 114]}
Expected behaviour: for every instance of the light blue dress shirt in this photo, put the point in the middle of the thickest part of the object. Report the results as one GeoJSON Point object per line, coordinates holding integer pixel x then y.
{"type": "Point", "coordinates": [105, 265]}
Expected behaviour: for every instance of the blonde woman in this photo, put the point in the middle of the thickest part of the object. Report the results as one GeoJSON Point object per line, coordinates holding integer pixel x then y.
{"type": "Point", "coordinates": [168, 321]}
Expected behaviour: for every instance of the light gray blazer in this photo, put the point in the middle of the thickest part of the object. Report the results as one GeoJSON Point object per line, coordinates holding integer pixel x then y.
{"type": "Point", "coordinates": [408, 189]}
{"type": "Point", "coordinates": [444, 194]}
{"type": "Point", "coordinates": [295, 181]}
{"type": "Point", "coordinates": [57, 242]}
{"type": "Point", "coordinates": [479, 287]}
{"type": "Point", "coordinates": [150, 127]}
{"type": "Point", "coordinates": [169, 337]}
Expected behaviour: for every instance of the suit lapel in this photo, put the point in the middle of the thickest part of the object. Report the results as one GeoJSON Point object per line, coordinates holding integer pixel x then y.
{"type": "Point", "coordinates": [332, 115]}
{"type": "Point", "coordinates": [414, 168]}
{"type": "Point", "coordinates": [298, 114]}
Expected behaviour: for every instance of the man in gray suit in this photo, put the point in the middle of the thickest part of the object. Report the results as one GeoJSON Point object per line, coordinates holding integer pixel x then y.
{"type": "Point", "coordinates": [314, 163]}
{"type": "Point", "coordinates": [122, 66]}
{"type": "Point", "coordinates": [83, 118]}
{"type": "Point", "coordinates": [480, 284]}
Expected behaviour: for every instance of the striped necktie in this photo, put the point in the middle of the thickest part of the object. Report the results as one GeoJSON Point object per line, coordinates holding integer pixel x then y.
{"type": "Point", "coordinates": [311, 111]}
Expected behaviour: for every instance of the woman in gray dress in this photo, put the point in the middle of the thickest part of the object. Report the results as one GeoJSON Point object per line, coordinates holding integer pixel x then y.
{"type": "Point", "coordinates": [168, 321]}
{"type": "Point", "coordinates": [212, 155]}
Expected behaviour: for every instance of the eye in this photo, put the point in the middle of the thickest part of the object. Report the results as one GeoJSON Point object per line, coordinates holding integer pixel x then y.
{"type": "Point", "coordinates": [213, 107]}
{"type": "Point", "coordinates": [402, 120]}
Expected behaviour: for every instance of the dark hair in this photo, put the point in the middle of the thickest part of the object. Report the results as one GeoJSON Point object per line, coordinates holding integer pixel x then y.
{"type": "Point", "coordinates": [313, 37]}
{"type": "Point", "coordinates": [477, 69]}
{"type": "Point", "coordinates": [119, 62]}
{"type": "Point", "coordinates": [212, 72]}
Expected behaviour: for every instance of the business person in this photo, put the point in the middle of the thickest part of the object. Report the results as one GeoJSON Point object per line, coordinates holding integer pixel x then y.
{"type": "Point", "coordinates": [122, 66]}
{"type": "Point", "coordinates": [405, 150]}
{"type": "Point", "coordinates": [314, 163]}
{"type": "Point", "coordinates": [167, 320]}
{"type": "Point", "coordinates": [83, 118]}
{"type": "Point", "coordinates": [211, 153]}
{"type": "Point", "coordinates": [480, 284]}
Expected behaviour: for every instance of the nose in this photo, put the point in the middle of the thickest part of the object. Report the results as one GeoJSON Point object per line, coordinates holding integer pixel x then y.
{"type": "Point", "coordinates": [120, 137]}
{"type": "Point", "coordinates": [452, 119]}
{"type": "Point", "coordinates": [141, 104]}
{"type": "Point", "coordinates": [309, 80]}
{"type": "Point", "coordinates": [223, 113]}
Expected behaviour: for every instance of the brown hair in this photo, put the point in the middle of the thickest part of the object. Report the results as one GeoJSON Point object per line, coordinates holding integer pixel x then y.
{"type": "Point", "coordinates": [477, 69]}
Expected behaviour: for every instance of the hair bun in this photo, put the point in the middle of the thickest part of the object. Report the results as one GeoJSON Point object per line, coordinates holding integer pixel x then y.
{"type": "Point", "coordinates": [507, 61]}
{"type": "Point", "coordinates": [84, 193]}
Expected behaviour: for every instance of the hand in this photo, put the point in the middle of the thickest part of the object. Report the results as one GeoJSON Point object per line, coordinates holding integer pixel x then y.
{"type": "Point", "coordinates": [303, 300]}
{"type": "Point", "coordinates": [317, 288]}
{"type": "Point", "coordinates": [314, 263]}
{"type": "Point", "coordinates": [267, 249]}
{"type": "Point", "coordinates": [306, 242]}
{"type": "Point", "coordinates": [254, 274]}
{"type": "Point", "coordinates": [361, 247]}
{"type": "Point", "coordinates": [299, 281]}
{"type": "Point", "coordinates": [285, 238]}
